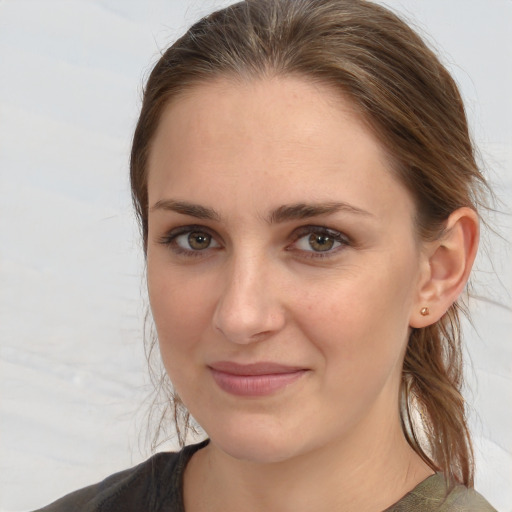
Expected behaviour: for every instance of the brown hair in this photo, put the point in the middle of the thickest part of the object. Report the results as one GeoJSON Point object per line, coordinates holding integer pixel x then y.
{"type": "Point", "coordinates": [413, 106]}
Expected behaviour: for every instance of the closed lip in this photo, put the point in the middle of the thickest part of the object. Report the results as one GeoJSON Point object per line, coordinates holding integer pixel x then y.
{"type": "Point", "coordinates": [253, 369]}
{"type": "Point", "coordinates": [255, 379]}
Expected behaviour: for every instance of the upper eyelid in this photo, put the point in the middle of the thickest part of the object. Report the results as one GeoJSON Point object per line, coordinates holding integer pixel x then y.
{"type": "Point", "coordinates": [190, 228]}
{"type": "Point", "coordinates": [304, 230]}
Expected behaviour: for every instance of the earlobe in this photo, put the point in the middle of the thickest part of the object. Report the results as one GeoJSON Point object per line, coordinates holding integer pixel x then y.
{"type": "Point", "coordinates": [448, 264]}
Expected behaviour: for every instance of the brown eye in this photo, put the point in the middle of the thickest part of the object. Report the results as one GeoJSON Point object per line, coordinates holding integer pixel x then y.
{"type": "Point", "coordinates": [190, 241]}
{"type": "Point", "coordinates": [320, 243]}
{"type": "Point", "coordinates": [198, 240]}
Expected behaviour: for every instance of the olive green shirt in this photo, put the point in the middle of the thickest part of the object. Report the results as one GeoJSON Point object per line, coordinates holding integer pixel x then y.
{"type": "Point", "coordinates": [156, 486]}
{"type": "Point", "coordinates": [431, 496]}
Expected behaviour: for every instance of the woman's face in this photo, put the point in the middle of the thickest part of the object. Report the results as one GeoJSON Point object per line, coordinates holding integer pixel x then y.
{"type": "Point", "coordinates": [283, 267]}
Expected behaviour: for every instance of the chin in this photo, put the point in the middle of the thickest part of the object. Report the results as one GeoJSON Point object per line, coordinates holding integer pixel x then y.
{"type": "Point", "coordinates": [257, 451]}
{"type": "Point", "coordinates": [258, 443]}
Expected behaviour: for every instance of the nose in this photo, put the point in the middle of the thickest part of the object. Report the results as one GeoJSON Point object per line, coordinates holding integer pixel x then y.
{"type": "Point", "coordinates": [248, 309]}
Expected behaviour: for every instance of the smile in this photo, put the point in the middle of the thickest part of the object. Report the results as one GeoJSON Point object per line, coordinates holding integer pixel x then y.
{"type": "Point", "coordinates": [259, 379]}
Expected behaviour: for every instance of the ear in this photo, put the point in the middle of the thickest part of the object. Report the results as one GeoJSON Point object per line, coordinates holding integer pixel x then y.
{"type": "Point", "coordinates": [446, 267]}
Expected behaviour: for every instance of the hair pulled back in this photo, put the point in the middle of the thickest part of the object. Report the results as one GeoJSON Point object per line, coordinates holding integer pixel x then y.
{"type": "Point", "coordinates": [414, 108]}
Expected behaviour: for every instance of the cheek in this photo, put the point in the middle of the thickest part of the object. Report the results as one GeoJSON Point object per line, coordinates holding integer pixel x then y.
{"type": "Point", "coordinates": [360, 321]}
{"type": "Point", "coordinates": [181, 311]}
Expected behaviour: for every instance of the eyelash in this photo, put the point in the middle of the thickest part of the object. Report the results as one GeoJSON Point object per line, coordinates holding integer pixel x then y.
{"type": "Point", "coordinates": [170, 238]}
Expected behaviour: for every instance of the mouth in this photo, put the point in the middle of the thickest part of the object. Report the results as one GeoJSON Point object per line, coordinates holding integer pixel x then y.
{"type": "Point", "coordinates": [257, 379]}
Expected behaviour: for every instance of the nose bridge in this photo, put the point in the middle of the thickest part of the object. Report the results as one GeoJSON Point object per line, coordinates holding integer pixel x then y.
{"type": "Point", "coordinates": [248, 307]}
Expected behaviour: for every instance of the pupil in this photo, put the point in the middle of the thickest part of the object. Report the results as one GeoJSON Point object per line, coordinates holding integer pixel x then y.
{"type": "Point", "coordinates": [199, 240]}
{"type": "Point", "coordinates": [321, 242]}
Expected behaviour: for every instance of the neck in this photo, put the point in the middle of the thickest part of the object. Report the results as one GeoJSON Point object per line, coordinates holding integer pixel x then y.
{"type": "Point", "coordinates": [366, 471]}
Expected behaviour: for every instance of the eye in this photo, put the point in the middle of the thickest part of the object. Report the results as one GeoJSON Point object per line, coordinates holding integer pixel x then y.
{"type": "Point", "coordinates": [319, 240]}
{"type": "Point", "coordinates": [189, 240]}
{"type": "Point", "coordinates": [195, 241]}
{"type": "Point", "coordinates": [316, 242]}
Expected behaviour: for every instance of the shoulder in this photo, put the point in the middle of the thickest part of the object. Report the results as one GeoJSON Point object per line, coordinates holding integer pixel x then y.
{"type": "Point", "coordinates": [462, 499]}
{"type": "Point", "coordinates": [120, 491]}
{"type": "Point", "coordinates": [433, 495]}
{"type": "Point", "coordinates": [153, 485]}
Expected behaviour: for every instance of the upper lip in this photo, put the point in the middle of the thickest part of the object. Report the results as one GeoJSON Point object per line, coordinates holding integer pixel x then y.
{"type": "Point", "coordinates": [260, 368]}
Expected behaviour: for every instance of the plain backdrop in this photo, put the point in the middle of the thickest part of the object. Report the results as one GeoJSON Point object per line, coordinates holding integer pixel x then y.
{"type": "Point", "coordinates": [73, 378]}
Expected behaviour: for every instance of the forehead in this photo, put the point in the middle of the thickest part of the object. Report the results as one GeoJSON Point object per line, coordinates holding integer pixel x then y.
{"type": "Point", "coordinates": [287, 110]}
{"type": "Point", "coordinates": [285, 139]}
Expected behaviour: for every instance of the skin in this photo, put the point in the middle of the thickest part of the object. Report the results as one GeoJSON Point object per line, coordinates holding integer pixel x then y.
{"type": "Point", "coordinates": [256, 288]}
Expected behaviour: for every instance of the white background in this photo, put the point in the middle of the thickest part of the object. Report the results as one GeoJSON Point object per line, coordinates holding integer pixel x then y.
{"type": "Point", "coordinates": [72, 370]}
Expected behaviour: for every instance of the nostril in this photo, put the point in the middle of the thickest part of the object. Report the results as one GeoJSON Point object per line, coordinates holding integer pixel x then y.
{"type": "Point", "coordinates": [260, 336]}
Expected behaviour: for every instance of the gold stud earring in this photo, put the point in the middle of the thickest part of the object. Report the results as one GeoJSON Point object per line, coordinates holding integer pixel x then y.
{"type": "Point", "coordinates": [424, 311]}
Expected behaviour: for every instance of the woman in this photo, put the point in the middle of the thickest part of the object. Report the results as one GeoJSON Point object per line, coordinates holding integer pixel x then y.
{"type": "Point", "coordinates": [308, 198]}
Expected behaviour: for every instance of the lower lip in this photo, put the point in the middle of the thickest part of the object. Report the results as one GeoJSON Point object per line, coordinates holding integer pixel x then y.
{"type": "Point", "coordinates": [254, 385]}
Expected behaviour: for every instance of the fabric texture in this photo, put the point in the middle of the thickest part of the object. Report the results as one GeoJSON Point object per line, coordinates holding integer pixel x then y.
{"type": "Point", "coordinates": [156, 486]}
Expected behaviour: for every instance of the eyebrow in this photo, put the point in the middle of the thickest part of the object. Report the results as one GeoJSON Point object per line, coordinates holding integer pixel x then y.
{"type": "Point", "coordinates": [306, 210]}
{"type": "Point", "coordinates": [283, 213]}
{"type": "Point", "coordinates": [186, 208]}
